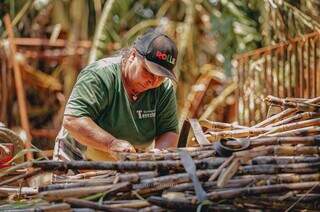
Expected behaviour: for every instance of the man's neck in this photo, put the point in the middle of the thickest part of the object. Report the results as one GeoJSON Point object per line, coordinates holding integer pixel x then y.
{"type": "Point", "coordinates": [132, 95]}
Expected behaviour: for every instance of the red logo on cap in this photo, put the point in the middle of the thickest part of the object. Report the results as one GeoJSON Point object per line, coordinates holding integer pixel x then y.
{"type": "Point", "coordinates": [167, 57]}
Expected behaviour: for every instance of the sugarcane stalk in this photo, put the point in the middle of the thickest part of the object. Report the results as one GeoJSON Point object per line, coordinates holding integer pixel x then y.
{"type": "Point", "coordinates": [265, 179]}
{"type": "Point", "coordinates": [9, 170]}
{"type": "Point", "coordinates": [293, 126]}
{"type": "Point", "coordinates": [153, 208]}
{"type": "Point", "coordinates": [165, 156]}
{"type": "Point", "coordinates": [300, 106]}
{"type": "Point", "coordinates": [266, 141]}
{"type": "Point", "coordinates": [53, 207]}
{"type": "Point", "coordinates": [80, 203]}
{"type": "Point", "coordinates": [201, 174]}
{"type": "Point", "coordinates": [83, 191]}
{"type": "Point", "coordinates": [229, 172]}
{"type": "Point", "coordinates": [21, 190]}
{"type": "Point", "coordinates": [298, 132]}
{"type": "Point", "coordinates": [219, 170]}
{"type": "Point", "coordinates": [78, 184]}
{"type": "Point", "coordinates": [215, 136]}
{"type": "Point", "coordinates": [181, 205]}
{"type": "Point", "coordinates": [246, 155]}
{"type": "Point", "coordinates": [280, 168]}
{"type": "Point", "coordinates": [265, 203]}
{"type": "Point", "coordinates": [24, 176]}
{"type": "Point", "coordinates": [172, 204]}
{"type": "Point", "coordinates": [170, 153]}
{"type": "Point", "coordinates": [297, 117]}
{"type": "Point", "coordinates": [292, 198]}
{"type": "Point", "coordinates": [292, 99]}
{"type": "Point", "coordinates": [283, 114]}
{"type": "Point", "coordinates": [131, 204]}
{"type": "Point", "coordinates": [232, 193]}
{"type": "Point", "coordinates": [219, 126]}
{"type": "Point", "coordinates": [92, 174]}
{"type": "Point", "coordinates": [129, 177]}
{"type": "Point", "coordinates": [168, 181]}
{"type": "Point", "coordinates": [284, 159]}
{"type": "Point", "coordinates": [305, 197]}
{"type": "Point", "coordinates": [233, 183]}
{"type": "Point", "coordinates": [122, 166]}
{"type": "Point", "coordinates": [279, 150]}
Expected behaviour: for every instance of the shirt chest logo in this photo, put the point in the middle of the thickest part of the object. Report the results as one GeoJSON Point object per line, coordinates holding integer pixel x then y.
{"type": "Point", "coordinates": [144, 114]}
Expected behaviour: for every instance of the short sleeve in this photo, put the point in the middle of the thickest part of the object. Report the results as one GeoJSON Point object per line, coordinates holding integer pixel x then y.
{"type": "Point", "coordinates": [166, 118]}
{"type": "Point", "coordinates": [88, 97]}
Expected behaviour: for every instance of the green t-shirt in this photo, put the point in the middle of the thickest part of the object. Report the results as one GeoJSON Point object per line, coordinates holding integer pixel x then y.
{"type": "Point", "coordinates": [99, 94]}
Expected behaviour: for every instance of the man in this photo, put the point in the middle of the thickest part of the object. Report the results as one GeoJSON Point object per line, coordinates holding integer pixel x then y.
{"type": "Point", "coordinates": [122, 103]}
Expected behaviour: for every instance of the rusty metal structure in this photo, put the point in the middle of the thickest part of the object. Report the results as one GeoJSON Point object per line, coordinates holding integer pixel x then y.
{"type": "Point", "coordinates": [287, 69]}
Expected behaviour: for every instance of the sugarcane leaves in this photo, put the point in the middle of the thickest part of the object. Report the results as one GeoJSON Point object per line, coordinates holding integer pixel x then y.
{"type": "Point", "coordinates": [94, 196]}
{"type": "Point", "coordinates": [106, 13]}
{"type": "Point", "coordinates": [202, 204]}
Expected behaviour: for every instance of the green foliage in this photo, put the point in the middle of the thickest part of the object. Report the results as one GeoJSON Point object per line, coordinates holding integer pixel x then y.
{"type": "Point", "coordinates": [236, 27]}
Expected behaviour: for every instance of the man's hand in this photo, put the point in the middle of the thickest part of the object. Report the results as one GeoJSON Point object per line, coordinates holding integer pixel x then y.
{"type": "Point", "coordinates": [118, 145]}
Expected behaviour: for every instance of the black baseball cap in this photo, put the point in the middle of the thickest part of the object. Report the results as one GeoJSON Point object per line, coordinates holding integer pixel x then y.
{"type": "Point", "coordinates": [160, 53]}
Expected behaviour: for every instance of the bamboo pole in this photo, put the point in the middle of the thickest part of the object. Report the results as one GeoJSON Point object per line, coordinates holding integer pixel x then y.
{"type": "Point", "coordinates": [19, 86]}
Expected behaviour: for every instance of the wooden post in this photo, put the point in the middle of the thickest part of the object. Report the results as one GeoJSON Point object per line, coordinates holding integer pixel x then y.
{"type": "Point", "coordinates": [19, 85]}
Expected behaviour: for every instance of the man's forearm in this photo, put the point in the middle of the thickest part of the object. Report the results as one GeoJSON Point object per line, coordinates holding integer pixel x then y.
{"type": "Point", "coordinates": [167, 140]}
{"type": "Point", "coordinates": [87, 132]}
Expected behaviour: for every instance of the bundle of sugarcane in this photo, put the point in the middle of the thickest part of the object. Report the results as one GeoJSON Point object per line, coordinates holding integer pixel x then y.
{"type": "Point", "coordinates": [273, 165]}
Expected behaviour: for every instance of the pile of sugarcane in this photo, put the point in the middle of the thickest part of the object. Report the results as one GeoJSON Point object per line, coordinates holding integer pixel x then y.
{"type": "Point", "coordinates": [273, 165]}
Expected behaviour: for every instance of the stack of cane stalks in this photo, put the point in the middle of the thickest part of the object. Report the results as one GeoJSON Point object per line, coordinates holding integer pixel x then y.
{"type": "Point", "coordinates": [272, 165]}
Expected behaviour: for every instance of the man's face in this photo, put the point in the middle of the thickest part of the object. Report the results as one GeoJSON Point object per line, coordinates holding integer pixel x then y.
{"type": "Point", "coordinates": [140, 79]}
